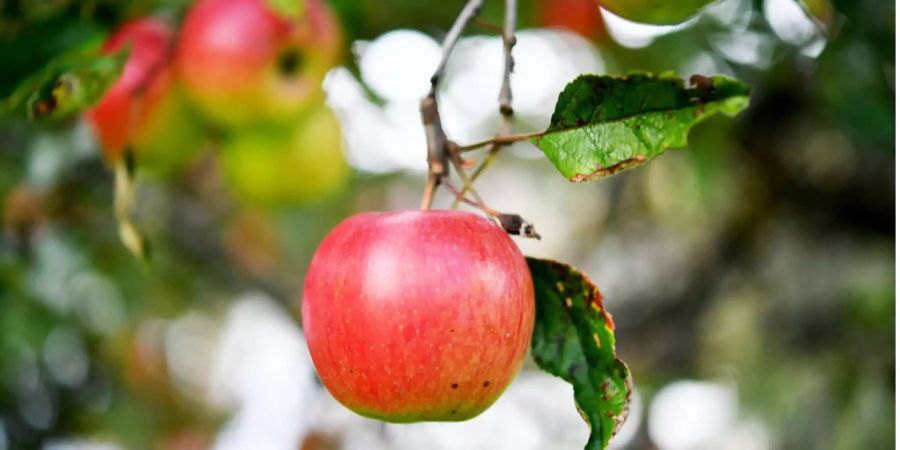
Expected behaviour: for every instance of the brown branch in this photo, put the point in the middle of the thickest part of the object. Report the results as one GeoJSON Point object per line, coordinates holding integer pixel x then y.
{"type": "Point", "coordinates": [438, 152]}
{"type": "Point", "coordinates": [441, 151]}
{"type": "Point", "coordinates": [472, 8]}
{"type": "Point", "coordinates": [430, 189]}
{"type": "Point", "coordinates": [435, 137]}
{"type": "Point", "coordinates": [504, 99]}
{"type": "Point", "coordinates": [509, 41]}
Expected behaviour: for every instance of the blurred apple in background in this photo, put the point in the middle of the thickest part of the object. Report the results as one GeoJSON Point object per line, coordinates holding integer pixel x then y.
{"type": "Point", "coordinates": [144, 109]}
{"type": "Point", "coordinates": [274, 166]}
{"type": "Point", "coordinates": [243, 63]}
{"type": "Point", "coordinates": [581, 16]}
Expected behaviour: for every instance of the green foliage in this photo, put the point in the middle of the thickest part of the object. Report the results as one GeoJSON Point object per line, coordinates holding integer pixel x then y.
{"type": "Point", "coordinates": [67, 85]}
{"type": "Point", "coordinates": [655, 11]}
{"type": "Point", "coordinates": [606, 124]}
{"type": "Point", "coordinates": [573, 339]}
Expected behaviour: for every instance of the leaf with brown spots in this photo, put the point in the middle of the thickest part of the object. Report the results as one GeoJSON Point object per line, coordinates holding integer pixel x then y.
{"type": "Point", "coordinates": [574, 340]}
{"type": "Point", "coordinates": [604, 125]}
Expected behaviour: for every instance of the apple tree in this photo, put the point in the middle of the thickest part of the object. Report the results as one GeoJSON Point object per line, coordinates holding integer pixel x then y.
{"type": "Point", "coordinates": [217, 107]}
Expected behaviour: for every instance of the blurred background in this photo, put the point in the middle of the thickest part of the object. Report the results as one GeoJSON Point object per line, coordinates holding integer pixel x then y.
{"type": "Point", "coordinates": [751, 275]}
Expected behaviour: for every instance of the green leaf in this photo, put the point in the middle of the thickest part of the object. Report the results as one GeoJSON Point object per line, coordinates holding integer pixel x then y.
{"type": "Point", "coordinates": [606, 124]}
{"type": "Point", "coordinates": [67, 85]}
{"type": "Point", "coordinates": [573, 339]}
{"type": "Point", "coordinates": [289, 9]}
{"type": "Point", "coordinates": [661, 12]}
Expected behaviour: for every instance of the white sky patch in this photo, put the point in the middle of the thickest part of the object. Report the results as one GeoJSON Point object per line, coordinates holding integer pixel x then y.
{"type": "Point", "coordinates": [262, 368]}
{"type": "Point", "coordinates": [687, 414]}
{"type": "Point", "coordinates": [399, 64]}
{"type": "Point", "coordinates": [376, 141]}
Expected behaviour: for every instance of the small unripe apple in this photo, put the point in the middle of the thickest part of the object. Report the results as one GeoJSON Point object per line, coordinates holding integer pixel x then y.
{"type": "Point", "coordinates": [417, 315]}
{"type": "Point", "coordinates": [241, 62]}
{"type": "Point", "coordinates": [144, 109]}
{"type": "Point", "coordinates": [274, 166]}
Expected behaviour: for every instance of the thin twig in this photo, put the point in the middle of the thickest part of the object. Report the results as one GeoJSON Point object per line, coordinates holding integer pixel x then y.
{"type": "Point", "coordinates": [499, 141]}
{"type": "Point", "coordinates": [435, 137]}
{"type": "Point", "coordinates": [504, 99]}
{"type": "Point", "coordinates": [456, 159]}
{"type": "Point", "coordinates": [468, 13]}
{"type": "Point", "coordinates": [476, 203]}
{"type": "Point", "coordinates": [485, 163]}
{"type": "Point", "coordinates": [488, 26]}
{"type": "Point", "coordinates": [509, 41]}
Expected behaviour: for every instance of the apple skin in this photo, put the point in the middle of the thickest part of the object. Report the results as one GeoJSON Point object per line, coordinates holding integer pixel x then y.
{"type": "Point", "coordinates": [242, 63]}
{"type": "Point", "coordinates": [144, 108]}
{"type": "Point", "coordinates": [278, 166]}
{"type": "Point", "coordinates": [417, 315]}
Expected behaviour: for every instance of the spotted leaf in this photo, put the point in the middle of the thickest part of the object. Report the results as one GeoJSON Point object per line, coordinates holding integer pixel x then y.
{"type": "Point", "coordinates": [606, 124]}
{"type": "Point", "coordinates": [574, 339]}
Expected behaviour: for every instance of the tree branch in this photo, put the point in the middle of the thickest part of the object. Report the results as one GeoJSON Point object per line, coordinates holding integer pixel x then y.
{"type": "Point", "coordinates": [505, 97]}
{"type": "Point", "coordinates": [509, 41]}
{"type": "Point", "coordinates": [435, 137]}
{"type": "Point", "coordinates": [472, 8]}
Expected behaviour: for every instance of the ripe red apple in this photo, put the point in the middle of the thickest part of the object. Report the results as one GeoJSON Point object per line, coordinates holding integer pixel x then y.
{"type": "Point", "coordinates": [417, 315]}
{"type": "Point", "coordinates": [242, 62]}
{"type": "Point", "coordinates": [143, 108]}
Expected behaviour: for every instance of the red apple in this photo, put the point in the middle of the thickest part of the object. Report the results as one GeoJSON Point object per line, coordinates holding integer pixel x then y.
{"type": "Point", "coordinates": [417, 315]}
{"type": "Point", "coordinates": [143, 108]}
{"type": "Point", "coordinates": [242, 62]}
